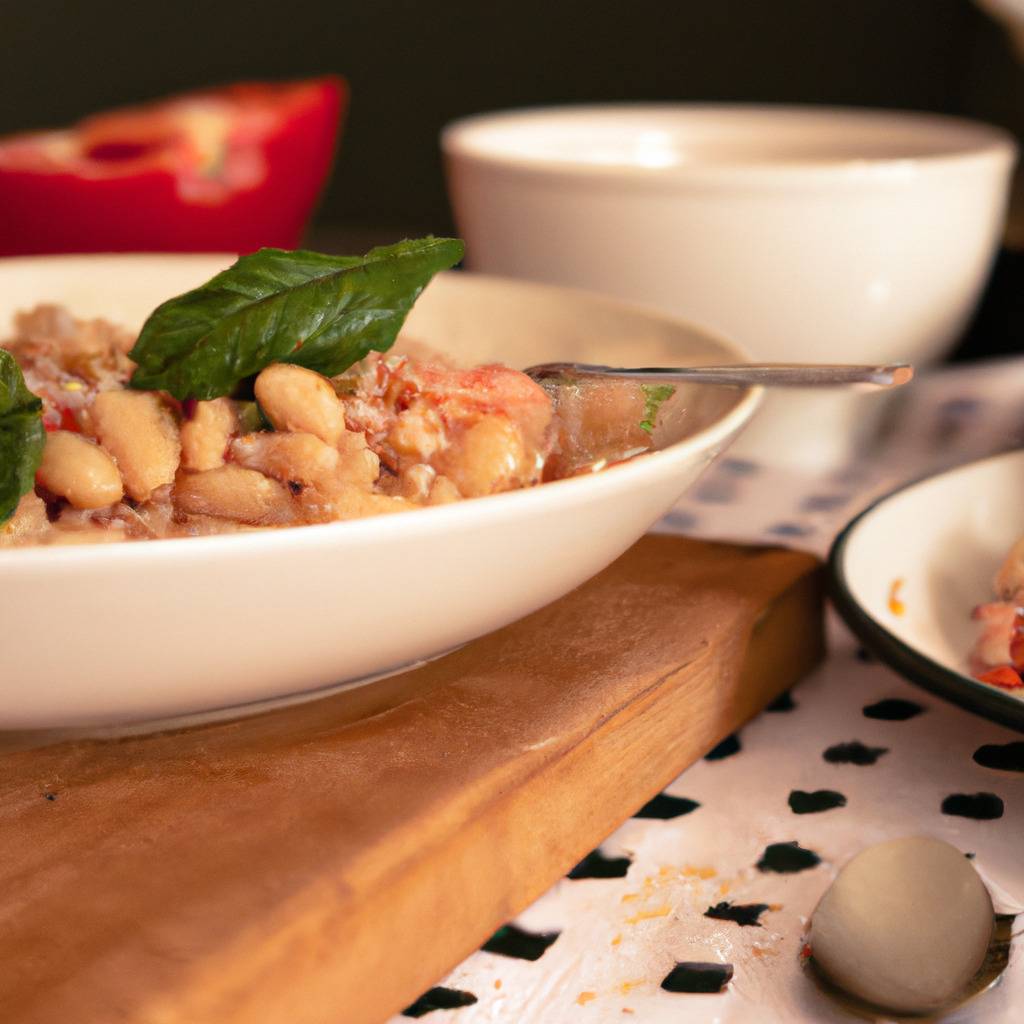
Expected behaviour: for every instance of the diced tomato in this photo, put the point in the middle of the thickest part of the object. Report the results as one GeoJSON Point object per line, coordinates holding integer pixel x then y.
{"type": "Point", "coordinates": [228, 170]}
{"type": "Point", "coordinates": [60, 419]}
{"type": "Point", "coordinates": [1003, 676]}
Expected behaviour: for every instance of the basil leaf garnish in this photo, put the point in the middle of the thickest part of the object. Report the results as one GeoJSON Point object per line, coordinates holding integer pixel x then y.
{"type": "Point", "coordinates": [319, 311]}
{"type": "Point", "coordinates": [22, 435]}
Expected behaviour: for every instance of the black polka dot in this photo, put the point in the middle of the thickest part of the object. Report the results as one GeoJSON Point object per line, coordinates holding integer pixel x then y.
{"type": "Point", "coordinates": [789, 530]}
{"type": "Point", "coordinates": [824, 502]}
{"type": "Point", "coordinates": [716, 492]}
{"type": "Point", "coordinates": [982, 806]}
{"type": "Point", "coordinates": [863, 654]}
{"type": "Point", "coordinates": [49, 796]}
{"type": "Point", "coordinates": [802, 802]}
{"type": "Point", "coordinates": [729, 746]}
{"type": "Point", "coordinates": [439, 998]}
{"type": "Point", "coordinates": [960, 406]}
{"type": "Point", "coordinates": [665, 807]}
{"type": "Point", "coordinates": [697, 977]}
{"type": "Point", "coordinates": [519, 944]}
{"type": "Point", "coordinates": [1006, 757]}
{"type": "Point", "coordinates": [597, 865]}
{"type": "Point", "coordinates": [853, 752]}
{"type": "Point", "coordinates": [681, 520]}
{"type": "Point", "coordinates": [787, 858]}
{"type": "Point", "coordinates": [739, 467]}
{"type": "Point", "coordinates": [784, 702]}
{"type": "Point", "coordinates": [746, 914]}
{"type": "Point", "coordinates": [893, 709]}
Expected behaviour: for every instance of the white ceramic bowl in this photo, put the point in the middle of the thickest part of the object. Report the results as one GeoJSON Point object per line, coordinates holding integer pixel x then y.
{"type": "Point", "coordinates": [804, 233]}
{"type": "Point", "coordinates": [943, 539]}
{"type": "Point", "coordinates": [127, 632]}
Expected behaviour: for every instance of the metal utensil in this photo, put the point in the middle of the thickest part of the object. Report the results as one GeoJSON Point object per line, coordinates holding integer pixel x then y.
{"type": "Point", "coordinates": [787, 375]}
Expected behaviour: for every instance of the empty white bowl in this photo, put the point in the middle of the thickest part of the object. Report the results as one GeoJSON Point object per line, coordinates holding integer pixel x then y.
{"type": "Point", "coordinates": [804, 233]}
{"type": "Point", "coordinates": [115, 633]}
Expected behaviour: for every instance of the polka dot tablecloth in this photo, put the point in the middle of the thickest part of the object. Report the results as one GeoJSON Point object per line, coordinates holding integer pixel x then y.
{"type": "Point", "coordinates": [696, 908]}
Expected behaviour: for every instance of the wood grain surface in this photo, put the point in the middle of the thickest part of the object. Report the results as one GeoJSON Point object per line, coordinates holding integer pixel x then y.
{"type": "Point", "coordinates": [327, 862]}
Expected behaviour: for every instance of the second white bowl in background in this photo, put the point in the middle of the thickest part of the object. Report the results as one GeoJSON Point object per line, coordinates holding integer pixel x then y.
{"type": "Point", "coordinates": [810, 234]}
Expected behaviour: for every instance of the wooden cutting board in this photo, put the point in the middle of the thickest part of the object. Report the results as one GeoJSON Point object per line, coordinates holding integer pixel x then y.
{"type": "Point", "coordinates": [326, 863]}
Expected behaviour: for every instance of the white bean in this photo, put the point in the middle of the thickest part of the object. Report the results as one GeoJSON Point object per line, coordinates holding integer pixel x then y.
{"type": "Point", "coordinates": [232, 492]}
{"type": "Point", "coordinates": [294, 398]}
{"type": "Point", "coordinates": [78, 469]}
{"type": "Point", "coordinates": [137, 428]}
{"type": "Point", "coordinates": [205, 436]}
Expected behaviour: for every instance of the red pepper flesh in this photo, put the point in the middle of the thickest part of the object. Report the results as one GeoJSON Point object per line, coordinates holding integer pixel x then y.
{"type": "Point", "coordinates": [1003, 676]}
{"type": "Point", "coordinates": [225, 170]}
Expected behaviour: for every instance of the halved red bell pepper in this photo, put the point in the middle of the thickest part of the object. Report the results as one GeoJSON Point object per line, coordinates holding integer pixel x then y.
{"type": "Point", "coordinates": [229, 170]}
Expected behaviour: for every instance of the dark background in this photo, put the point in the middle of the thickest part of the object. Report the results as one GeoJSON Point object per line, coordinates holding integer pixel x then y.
{"type": "Point", "coordinates": [414, 65]}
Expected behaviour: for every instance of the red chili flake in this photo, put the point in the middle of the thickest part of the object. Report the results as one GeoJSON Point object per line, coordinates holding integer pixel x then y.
{"type": "Point", "coordinates": [805, 952]}
{"type": "Point", "coordinates": [1004, 676]}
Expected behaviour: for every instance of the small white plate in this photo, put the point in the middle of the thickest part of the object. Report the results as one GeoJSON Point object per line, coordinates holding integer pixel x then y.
{"type": "Point", "coordinates": [122, 633]}
{"type": "Point", "coordinates": [938, 542]}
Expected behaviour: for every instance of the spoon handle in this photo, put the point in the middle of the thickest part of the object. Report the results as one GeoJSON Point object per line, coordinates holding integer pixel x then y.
{"type": "Point", "coordinates": [792, 375]}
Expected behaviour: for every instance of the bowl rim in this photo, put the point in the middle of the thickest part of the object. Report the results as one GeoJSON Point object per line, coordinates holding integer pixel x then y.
{"type": "Point", "coordinates": [422, 522]}
{"type": "Point", "coordinates": [908, 661]}
{"type": "Point", "coordinates": [980, 143]}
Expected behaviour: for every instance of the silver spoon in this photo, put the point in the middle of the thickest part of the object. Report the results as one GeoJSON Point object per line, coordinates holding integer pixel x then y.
{"type": "Point", "coordinates": [787, 375]}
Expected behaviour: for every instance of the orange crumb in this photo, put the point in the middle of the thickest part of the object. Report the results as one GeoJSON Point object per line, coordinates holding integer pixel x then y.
{"type": "Point", "coordinates": [628, 897]}
{"type": "Point", "coordinates": [701, 872]}
{"type": "Point", "coordinates": [760, 951]}
{"type": "Point", "coordinates": [626, 1009]}
{"type": "Point", "coordinates": [775, 906]}
{"type": "Point", "coordinates": [585, 997]}
{"type": "Point", "coordinates": [644, 915]}
{"type": "Point", "coordinates": [896, 605]}
{"type": "Point", "coordinates": [617, 940]}
{"type": "Point", "coordinates": [497, 982]}
{"type": "Point", "coordinates": [627, 986]}
{"type": "Point", "coordinates": [723, 889]}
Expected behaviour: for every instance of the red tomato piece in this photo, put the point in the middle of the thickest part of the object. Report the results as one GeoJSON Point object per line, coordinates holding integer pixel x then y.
{"type": "Point", "coordinates": [227, 170]}
{"type": "Point", "coordinates": [1003, 676]}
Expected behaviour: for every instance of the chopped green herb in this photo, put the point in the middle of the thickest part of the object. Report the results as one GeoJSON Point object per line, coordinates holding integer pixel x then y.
{"type": "Point", "coordinates": [318, 311]}
{"type": "Point", "coordinates": [22, 436]}
{"type": "Point", "coordinates": [654, 396]}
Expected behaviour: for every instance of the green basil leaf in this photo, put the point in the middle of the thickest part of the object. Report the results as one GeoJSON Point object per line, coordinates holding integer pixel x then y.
{"type": "Point", "coordinates": [22, 435]}
{"type": "Point", "coordinates": [654, 396]}
{"type": "Point", "coordinates": [319, 311]}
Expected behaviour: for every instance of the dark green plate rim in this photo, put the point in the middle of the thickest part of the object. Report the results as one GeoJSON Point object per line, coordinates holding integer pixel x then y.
{"type": "Point", "coordinates": [908, 661]}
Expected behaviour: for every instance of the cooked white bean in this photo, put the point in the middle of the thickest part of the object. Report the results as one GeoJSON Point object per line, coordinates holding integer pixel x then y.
{"type": "Point", "coordinates": [78, 469]}
{"type": "Point", "coordinates": [443, 492]}
{"type": "Point", "coordinates": [490, 458]}
{"type": "Point", "coordinates": [359, 464]}
{"type": "Point", "coordinates": [137, 428]}
{"type": "Point", "coordinates": [205, 436]}
{"type": "Point", "coordinates": [233, 492]}
{"type": "Point", "coordinates": [294, 398]}
{"type": "Point", "coordinates": [299, 460]}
